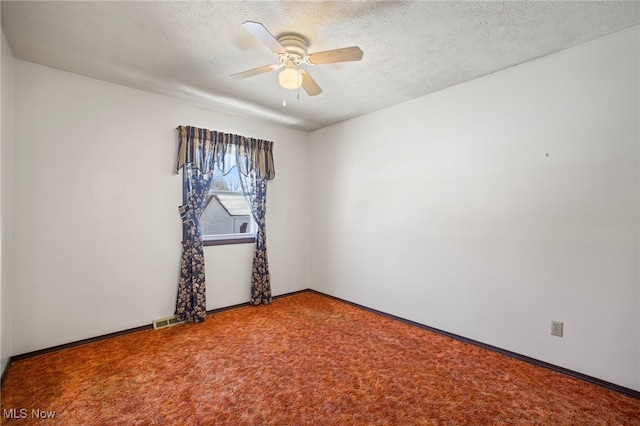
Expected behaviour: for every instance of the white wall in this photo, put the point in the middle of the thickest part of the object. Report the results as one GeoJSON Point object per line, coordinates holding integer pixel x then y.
{"type": "Point", "coordinates": [6, 125]}
{"type": "Point", "coordinates": [96, 225]}
{"type": "Point", "coordinates": [503, 239]}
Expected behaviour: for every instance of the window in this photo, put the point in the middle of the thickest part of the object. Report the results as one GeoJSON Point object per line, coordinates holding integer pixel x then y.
{"type": "Point", "coordinates": [227, 217]}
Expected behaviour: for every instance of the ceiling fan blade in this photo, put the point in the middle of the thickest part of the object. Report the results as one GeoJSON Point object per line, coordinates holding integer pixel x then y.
{"type": "Point", "coordinates": [261, 33]}
{"type": "Point", "coordinates": [346, 54]}
{"type": "Point", "coordinates": [255, 71]}
{"type": "Point", "coordinates": [309, 84]}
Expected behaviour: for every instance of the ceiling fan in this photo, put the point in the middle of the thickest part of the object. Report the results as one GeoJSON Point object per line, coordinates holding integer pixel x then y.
{"type": "Point", "coordinates": [291, 49]}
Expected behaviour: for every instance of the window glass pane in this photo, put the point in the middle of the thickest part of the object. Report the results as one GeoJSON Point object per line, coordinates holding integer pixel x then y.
{"type": "Point", "coordinates": [226, 212]}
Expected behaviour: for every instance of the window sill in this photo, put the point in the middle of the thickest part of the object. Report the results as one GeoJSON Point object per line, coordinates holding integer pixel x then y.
{"type": "Point", "coordinates": [226, 241]}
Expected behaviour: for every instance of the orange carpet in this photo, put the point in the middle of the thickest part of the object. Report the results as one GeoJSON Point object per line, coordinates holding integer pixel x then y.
{"type": "Point", "coordinates": [304, 360]}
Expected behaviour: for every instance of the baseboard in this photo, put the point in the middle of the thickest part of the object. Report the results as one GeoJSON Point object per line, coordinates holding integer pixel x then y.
{"type": "Point", "coordinates": [239, 305]}
{"type": "Point", "coordinates": [79, 342]}
{"type": "Point", "coordinates": [598, 382]}
{"type": "Point", "coordinates": [593, 380]}
{"type": "Point", "coordinates": [5, 371]}
{"type": "Point", "coordinates": [118, 333]}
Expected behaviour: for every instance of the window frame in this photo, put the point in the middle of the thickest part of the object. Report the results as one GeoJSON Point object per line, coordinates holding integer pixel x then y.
{"type": "Point", "coordinates": [224, 240]}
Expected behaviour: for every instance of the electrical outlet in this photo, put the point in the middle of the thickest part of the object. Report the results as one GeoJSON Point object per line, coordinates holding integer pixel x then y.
{"type": "Point", "coordinates": [556, 328]}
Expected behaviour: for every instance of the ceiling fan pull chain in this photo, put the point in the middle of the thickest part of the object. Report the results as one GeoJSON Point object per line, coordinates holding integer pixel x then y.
{"type": "Point", "coordinates": [284, 97]}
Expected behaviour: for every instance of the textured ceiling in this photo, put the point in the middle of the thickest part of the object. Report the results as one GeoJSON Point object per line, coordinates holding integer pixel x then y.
{"type": "Point", "coordinates": [188, 49]}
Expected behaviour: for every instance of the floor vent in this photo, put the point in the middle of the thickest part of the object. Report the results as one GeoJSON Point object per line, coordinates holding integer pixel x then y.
{"type": "Point", "coordinates": [166, 322]}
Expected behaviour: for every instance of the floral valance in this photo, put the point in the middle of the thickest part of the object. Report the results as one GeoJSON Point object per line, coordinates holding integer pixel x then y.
{"type": "Point", "coordinates": [208, 149]}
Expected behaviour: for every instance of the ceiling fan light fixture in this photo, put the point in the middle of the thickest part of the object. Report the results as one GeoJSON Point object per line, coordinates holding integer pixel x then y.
{"type": "Point", "coordinates": [290, 78]}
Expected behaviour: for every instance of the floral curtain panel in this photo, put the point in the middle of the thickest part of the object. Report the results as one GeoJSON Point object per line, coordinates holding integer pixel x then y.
{"type": "Point", "coordinates": [255, 189]}
{"type": "Point", "coordinates": [191, 303]}
{"type": "Point", "coordinates": [200, 151]}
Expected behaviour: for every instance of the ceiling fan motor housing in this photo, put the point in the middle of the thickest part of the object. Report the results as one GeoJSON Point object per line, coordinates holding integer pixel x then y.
{"type": "Point", "coordinates": [295, 45]}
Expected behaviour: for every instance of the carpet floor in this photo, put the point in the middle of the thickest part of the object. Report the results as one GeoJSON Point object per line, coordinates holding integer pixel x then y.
{"type": "Point", "coordinates": [304, 360]}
